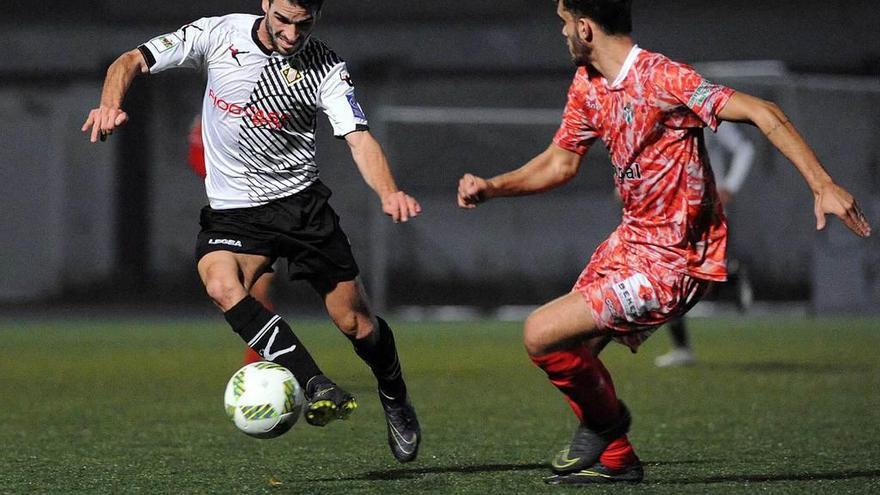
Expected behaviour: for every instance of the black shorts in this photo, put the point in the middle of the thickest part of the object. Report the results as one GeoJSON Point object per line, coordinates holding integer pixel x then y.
{"type": "Point", "coordinates": [301, 228]}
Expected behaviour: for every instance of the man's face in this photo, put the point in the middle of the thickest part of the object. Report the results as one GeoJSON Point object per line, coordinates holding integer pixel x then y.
{"type": "Point", "coordinates": [580, 51]}
{"type": "Point", "coordinates": [289, 25]}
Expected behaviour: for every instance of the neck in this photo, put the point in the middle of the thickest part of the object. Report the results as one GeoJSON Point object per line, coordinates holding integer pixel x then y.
{"type": "Point", "coordinates": [610, 54]}
{"type": "Point", "coordinates": [263, 35]}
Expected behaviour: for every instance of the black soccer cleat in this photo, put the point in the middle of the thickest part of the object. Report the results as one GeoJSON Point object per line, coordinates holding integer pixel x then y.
{"type": "Point", "coordinates": [327, 402]}
{"type": "Point", "coordinates": [404, 432]}
{"type": "Point", "coordinates": [587, 445]}
{"type": "Point", "coordinates": [599, 473]}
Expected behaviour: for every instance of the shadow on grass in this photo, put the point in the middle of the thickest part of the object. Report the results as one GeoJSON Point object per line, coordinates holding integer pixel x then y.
{"type": "Point", "coordinates": [407, 473]}
{"type": "Point", "coordinates": [764, 478]}
{"type": "Point", "coordinates": [783, 367]}
{"type": "Point", "coordinates": [679, 463]}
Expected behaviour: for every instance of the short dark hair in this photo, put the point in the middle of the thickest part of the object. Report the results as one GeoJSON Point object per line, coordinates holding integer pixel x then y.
{"type": "Point", "coordinates": [307, 4]}
{"type": "Point", "coordinates": [613, 16]}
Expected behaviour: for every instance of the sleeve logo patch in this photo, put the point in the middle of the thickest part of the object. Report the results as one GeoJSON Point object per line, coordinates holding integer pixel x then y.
{"type": "Point", "coordinates": [164, 43]}
{"type": "Point", "coordinates": [703, 91]}
{"type": "Point", "coordinates": [356, 107]}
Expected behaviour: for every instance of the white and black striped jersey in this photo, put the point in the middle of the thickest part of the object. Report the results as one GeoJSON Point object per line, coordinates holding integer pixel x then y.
{"type": "Point", "coordinates": [259, 109]}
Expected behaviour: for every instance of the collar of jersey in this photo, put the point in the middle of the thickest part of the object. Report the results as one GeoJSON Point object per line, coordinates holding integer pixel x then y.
{"type": "Point", "coordinates": [625, 68]}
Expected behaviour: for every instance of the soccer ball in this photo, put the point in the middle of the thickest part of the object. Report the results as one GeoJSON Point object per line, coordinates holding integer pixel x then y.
{"type": "Point", "coordinates": [263, 399]}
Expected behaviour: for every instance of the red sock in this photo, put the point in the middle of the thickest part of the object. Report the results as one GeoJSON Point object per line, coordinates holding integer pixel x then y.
{"type": "Point", "coordinates": [251, 356]}
{"type": "Point", "coordinates": [619, 454]}
{"type": "Point", "coordinates": [585, 382]}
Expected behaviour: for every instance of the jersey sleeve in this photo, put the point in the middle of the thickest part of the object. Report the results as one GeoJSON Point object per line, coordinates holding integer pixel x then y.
{"type": "Point", "coordinates": [186, 47]}
{"type": "Point", "coordinates": [679, 84]}
{"type": "Point", "coordinates": [576, 134]}
{"type": "Point", "coordinates": [336, 98]}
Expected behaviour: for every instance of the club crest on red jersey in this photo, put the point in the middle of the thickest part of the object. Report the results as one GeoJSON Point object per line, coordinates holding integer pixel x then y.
{"type": "Point", "coordinates": [628, 114]}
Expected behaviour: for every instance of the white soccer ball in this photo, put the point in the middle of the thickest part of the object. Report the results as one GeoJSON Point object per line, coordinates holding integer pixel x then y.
{"type": "Point", "coordinates": [263, 399]}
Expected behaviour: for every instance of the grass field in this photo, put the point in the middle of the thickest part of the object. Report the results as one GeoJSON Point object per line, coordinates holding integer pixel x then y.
{"type": "Point", "coordinates": [129, 406]}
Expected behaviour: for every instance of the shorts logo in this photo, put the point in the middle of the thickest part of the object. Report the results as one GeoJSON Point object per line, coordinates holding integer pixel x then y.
{"type": "Point", "coordinates": [703, 91]}
{"type": "Point", "coordinates": [227, 242]}
{"type": "Point", "coordinates": [636, 296]}
{"type": "Point", "coordinates": [291, 75]}
{"type": "Point", "coordinates": [164, 43]}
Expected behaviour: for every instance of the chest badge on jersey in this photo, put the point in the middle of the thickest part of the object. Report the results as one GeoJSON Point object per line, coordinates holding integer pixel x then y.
{"type": "Point", "coordinates": [291, 74]}
{"type": "Point", "coordinates": [628, 114]}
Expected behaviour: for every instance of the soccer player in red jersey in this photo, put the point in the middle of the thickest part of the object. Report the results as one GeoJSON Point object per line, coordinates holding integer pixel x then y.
{"type": "Point", "coordinates": [650, 113]}
{"type": "Point", "coordinates": [262, 288]}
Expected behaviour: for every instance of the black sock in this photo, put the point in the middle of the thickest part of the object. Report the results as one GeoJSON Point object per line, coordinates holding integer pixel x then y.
{"type": "Point", "coordinates": [266, 333]}
{"type": "Point", "coordinates": [678, 332]}
{"type": "Point", "coordinates": [381, 355]}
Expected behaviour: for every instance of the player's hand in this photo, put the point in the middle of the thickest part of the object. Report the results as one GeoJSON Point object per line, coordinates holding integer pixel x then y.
{"type": "Point", "coordinates": [400, 206]}
{"type": "Point", "coordinates": [102, 121]}
{"type": "Point", "coordinates": [472, 191]}
{"type": "Point", "coordinates": [833, 199]}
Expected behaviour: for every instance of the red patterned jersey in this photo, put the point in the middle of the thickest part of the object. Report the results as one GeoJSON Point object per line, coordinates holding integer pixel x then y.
{"type": "Point", "coordinates": [651, 120]}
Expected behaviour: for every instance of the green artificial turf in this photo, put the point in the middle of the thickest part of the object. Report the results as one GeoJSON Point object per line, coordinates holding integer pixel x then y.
{"type": "Point", "coordinates": [778, 405]}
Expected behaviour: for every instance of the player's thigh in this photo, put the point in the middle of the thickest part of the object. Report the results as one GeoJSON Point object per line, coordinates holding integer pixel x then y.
{"type": "Point", "coordinates": [559, 323]}
{"type": "Point", "coordinates": [347, 306]}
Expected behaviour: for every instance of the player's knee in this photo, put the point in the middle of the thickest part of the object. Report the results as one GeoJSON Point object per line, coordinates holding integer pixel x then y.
{"type": "Point", "coordinates": [224, 293]}
{"type": "Point", "coordinates": [534, 335]}
{"type": "Point", "coordinates": [353, 324]}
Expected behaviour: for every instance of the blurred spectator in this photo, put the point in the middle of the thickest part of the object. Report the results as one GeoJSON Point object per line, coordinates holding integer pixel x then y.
{"type": "Point", "coordinates": [731, 154]}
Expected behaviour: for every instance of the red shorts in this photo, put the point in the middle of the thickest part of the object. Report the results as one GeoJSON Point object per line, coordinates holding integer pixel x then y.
{"type": "Point", "coordinates": [630, 297]}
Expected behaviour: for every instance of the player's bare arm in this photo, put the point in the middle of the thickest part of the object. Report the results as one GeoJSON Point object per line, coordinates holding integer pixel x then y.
{"type": "Point", "coordinates": [552, 168]}
{"type": "Point", "coordinates": [830, 198]}
{"type": "Point", "coordinates": [104, 119]}
{"type": "Point", "coordinates": [373, 166]}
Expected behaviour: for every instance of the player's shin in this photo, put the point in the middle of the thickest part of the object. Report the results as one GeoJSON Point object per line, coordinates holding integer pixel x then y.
{"type": "Point", "coordinates": [587, 386]}
{"type": "Point", "coordinates": [585, 382]}
{"type": "Point", "coordinates": [380, 354]}
{"type": "Point", "coordinates": [269, 335]}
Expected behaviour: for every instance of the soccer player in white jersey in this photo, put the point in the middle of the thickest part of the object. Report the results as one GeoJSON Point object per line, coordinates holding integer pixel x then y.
{"type": "Point", "coordinates": [267, 77]}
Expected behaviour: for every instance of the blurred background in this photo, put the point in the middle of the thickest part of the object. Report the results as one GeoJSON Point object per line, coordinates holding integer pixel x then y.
{"type": "Point", "coordinates": [479, 87]}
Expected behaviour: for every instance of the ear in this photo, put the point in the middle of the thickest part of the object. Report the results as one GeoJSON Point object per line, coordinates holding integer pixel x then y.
{"type": "Point", "coordinates": [584, 29]}
{"type": "Point", "coordinates": [265, 6]}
